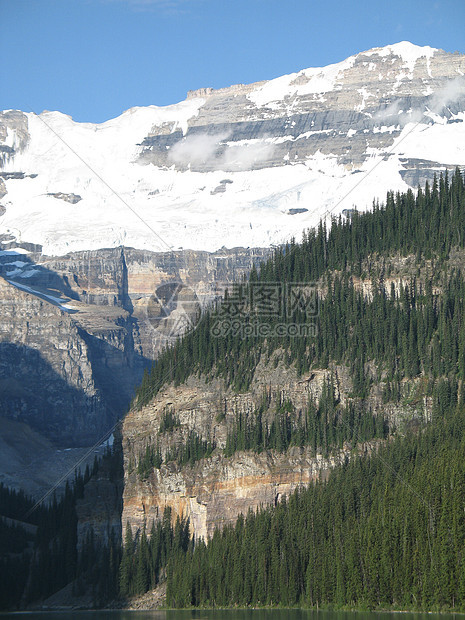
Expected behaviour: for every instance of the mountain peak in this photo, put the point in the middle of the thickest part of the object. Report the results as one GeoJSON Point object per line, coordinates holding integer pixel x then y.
{"type": "Point", "coordinates": [406, 50]}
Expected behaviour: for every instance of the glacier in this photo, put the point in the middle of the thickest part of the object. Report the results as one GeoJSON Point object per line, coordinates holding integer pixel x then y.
{"type": "Point", "coordinates": [250, 165]}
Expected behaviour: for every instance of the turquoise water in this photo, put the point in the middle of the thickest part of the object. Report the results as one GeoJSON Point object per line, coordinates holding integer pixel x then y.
{"type": "Point", "coordinates": [262, 614]}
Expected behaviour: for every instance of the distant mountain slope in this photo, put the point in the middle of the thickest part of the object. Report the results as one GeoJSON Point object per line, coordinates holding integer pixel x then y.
{"type": "Point", "coordinates": [248, 165]}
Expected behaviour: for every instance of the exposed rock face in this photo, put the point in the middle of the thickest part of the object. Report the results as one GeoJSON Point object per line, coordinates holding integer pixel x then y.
{"type": "Point", "coordinates": [31, 462]}
{"type": "Point", "coordinates": [85, 323]}
{"type": "Point", "coordinates": [117, 287]}
{"type": "Point", "coordinates": [214, 491]}
{"type": "Point", "coordinates": [71, 198]}
{"type": "Point", "coordinates": [46, 374]}
{"type": "Point", "coordinates": [345, 120]}
{"type": "Point", "coordinates": [67, 370]}
{"type": "Point", "coordinates": [77, 332]}
{"type": "Point", "coordinates": [12, 122]}
{"type": "Point", "coordinates": [206, 275]}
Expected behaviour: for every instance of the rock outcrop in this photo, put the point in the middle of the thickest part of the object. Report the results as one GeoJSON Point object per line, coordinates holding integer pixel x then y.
{"type": "Point", "coordinates": [46, 374]}
{"type": "Point", "coordinates": [118, 287]}
{"type": "Point", "coordinates": [71, 198]}
{"type": "Point", "coordinates": [214, 491]}
{"type": "Point", "coordinates": [12, 122]}
{"type": "Point", "coordinates": [345, 119]}
{"type": "Point", "coordinates": [77, 332]}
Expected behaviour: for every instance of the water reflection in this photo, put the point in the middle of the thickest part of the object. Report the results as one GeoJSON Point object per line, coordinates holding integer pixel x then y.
{"type": "Point", "coordinates": [239, 614]}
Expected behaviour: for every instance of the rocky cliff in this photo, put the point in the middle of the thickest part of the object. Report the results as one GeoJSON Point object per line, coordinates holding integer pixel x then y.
{"type": "Point", "coordinates": [301, 115]}
{"type": "Point", "coordinates": [46, 373]}
{"type": "Point", "coordinates": [77, 332]}
{"type": "Point", "coordinates": [126, 288]}
{"type": "Point", "coordinates": [214, 491]}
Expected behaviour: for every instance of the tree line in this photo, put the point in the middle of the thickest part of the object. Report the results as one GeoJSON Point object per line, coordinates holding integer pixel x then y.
{"type": "Point", "coordinates": [386, 530]}
{"type": "Point", "coordinates": [412, 326]}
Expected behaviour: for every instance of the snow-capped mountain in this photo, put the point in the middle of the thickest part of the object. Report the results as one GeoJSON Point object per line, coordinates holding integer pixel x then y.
{"type": "Point", "coordinates": [249, 165]}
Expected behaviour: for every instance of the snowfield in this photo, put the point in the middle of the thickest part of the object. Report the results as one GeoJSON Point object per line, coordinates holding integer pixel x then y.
{"type": "Point", "coordinates": [159, 208]}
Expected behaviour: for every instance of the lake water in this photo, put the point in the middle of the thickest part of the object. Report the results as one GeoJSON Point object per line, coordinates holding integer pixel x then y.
{"type": "Point", "coordinates": [265, 614]}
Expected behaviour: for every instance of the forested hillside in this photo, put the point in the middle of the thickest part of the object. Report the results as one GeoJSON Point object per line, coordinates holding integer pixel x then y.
{"type": "Point", "coordinates": [385, 530]}
{"type": "Point", "coordinates": [406, 331]}
{"type": "Point", "coordinates": [36, 562]}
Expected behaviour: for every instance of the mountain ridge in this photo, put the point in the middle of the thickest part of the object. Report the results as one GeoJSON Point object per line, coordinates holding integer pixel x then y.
{"type": "Point", "coordinates": [202, 173]}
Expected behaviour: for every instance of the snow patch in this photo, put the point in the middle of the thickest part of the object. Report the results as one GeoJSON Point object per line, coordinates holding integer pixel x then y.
{"type": "Point", "coordinates": [17, 263]}
{"type": "Point", "coordinates": [15, 252]}
{"type": "Point", "coordinates": [178, 206]}
{"type": "Point", "coordinates": [56, 301]}
{"type": "Point", "coordinates": [308, 81]}
{"type": "Point", "coordinates": [409, 52]}
{"type": "Point", "coordinates": [29, 273]}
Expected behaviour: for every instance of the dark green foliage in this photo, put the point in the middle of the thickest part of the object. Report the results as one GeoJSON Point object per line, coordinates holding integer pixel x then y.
{"type": "Point", "coordinates": [168, 422]}
{"type": "Point", "coordinates": [97, 569]}
{"type": "Point", "coordinates": [144, 559]}
{"type": "Point", "coordinates": [382, 531]}
{"type": "Point", "coordinates": [13, 538]}
{"type": "Point", "coordinates": [13, 576]}
{"type": "Point", "coordinates": [55, 555]}
{"type": "Point", "coordinates": [15, 555]}
{"type": "Point", "coordinates": [50, 560]}
{"type": "Point", "coordinates": [151, 459]}
{"type": "Point", "coordinates": [190, 451]}
{"type": "Point", "coordinates": [16, 543]}
{"type": "Point", "coordinates": [386, 530]}
{"type": "Point", "coordinates": [325, 426]}
{"type": "Point", "coordinates": [15, 505]}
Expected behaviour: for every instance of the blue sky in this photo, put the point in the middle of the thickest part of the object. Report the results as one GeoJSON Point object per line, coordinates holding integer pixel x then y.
{"type": "Point", "coordinates": [93, 59]}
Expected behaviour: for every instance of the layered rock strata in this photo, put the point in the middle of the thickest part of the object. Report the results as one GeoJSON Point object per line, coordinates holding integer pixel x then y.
{"type": "Point", "coordinates": [214, 491]}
